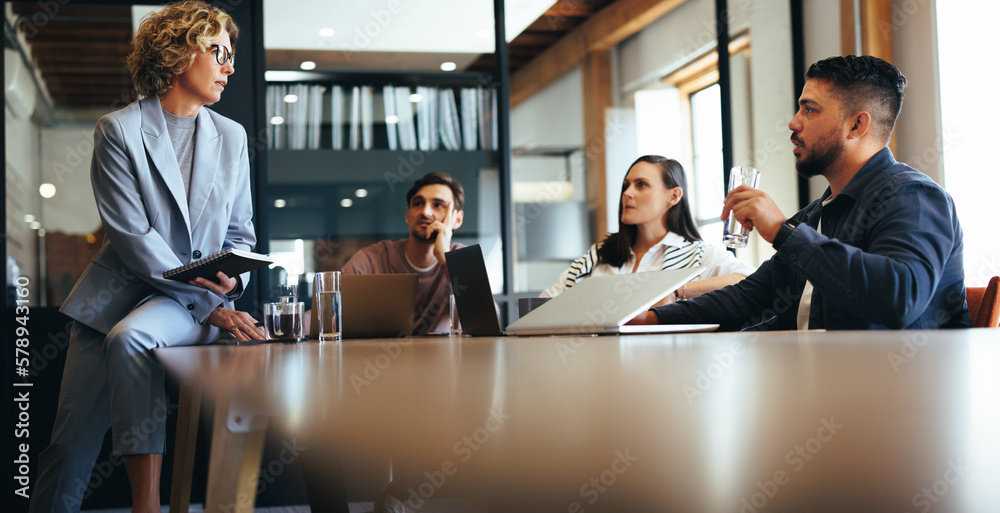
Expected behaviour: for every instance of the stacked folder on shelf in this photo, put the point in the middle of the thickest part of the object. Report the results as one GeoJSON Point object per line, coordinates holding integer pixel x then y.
{"type": "Point", "coordinates": [435, 118]}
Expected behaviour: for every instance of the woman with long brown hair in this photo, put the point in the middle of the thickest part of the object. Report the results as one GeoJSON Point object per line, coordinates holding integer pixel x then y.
{"type": "Point", "coordinates": [655, 232]}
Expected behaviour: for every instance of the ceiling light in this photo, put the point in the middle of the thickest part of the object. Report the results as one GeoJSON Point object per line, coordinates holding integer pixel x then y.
{"type": "Point", "coordinates": [448, 66]}
{"type": "Point", "coordinates": [41, 232]}
{"type": "Point", "coordinates": [346, 202]}
{"type": "Point", "coordinates": [361, 193]}
{"type": "Point", "coordinates": [291, 98]}
{"type": "Point", "coordinates": [326, 32]}
{"type": "Point", "coordinates": [277, 120]}
{"type": "Point", "coordinates": [391, 119]}
{"type": "Point", "coordinates": [415, 97]}
{"type": "Point", "coordinates": [279, 203]}
{"type": "Point", "coordinates": [28, 218]}
{"type": "Point", "coordinates": [307, 65]}
{"type": "Point", "coordinates": [34, 225]}
{"type": "Point", "coordinates": [47, 190]}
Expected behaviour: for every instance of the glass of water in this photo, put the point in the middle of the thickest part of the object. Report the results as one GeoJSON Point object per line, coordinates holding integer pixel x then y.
{"type": "Point", "coordinates": [734, 235]}
{"type": "Point", "coordinates": [327, 287]}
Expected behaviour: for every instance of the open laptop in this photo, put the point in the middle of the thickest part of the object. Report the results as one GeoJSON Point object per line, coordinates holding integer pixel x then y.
{"type": "Point", "coordinates": [470, 283]}
{"type": "Point", "coordinates": [603, 304]}
{"type": "Point", "coordinates": [375, 305]}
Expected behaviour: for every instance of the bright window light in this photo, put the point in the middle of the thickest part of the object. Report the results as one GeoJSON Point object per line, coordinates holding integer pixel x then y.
{"type": "Point", "coordinates": [966, 131]}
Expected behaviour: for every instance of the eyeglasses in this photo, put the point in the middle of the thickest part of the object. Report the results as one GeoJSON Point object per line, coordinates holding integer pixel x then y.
{"type": "Point", "coordinates": [223, 55]}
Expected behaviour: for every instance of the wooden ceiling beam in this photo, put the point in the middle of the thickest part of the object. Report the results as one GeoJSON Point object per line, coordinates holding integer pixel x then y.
{"type": "Point", "coordinates": [602, 31]}
{"type": "Point", "coordinates": [543, 39]}
{"type": "Point", "coordinates": [574, 8]}
{"type": "Point", "coordinates": [554, 23]}
{"type": "Point", "coordinates": [89, 47]}
{"type": "Point", "coordinates": [57, 62]}
{"type": "Point", "coordinates": [81, 34]}
{"type": "Point", "coordinates": [113, 69]}
{"type": "Point", "coordinates": [85, 81]}
{"type": "Point", "coordinates": [124, 12]}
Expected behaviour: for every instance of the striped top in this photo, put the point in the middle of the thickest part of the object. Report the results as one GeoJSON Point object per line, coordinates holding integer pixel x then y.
{"type": "Point", "coordinates": [672, 252]}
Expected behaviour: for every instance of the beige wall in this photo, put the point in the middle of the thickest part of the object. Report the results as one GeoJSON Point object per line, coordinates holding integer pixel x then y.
{"type": "Point", "coordinates": [918, 130]}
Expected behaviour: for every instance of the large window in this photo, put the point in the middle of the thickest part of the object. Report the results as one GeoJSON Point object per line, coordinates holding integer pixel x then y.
{"type": "Point", "coordinates": [706, 160]}
{"type": "Point", "coordinates": [968, 130]}
{"type": "Point", "coordinates": [683, 120]}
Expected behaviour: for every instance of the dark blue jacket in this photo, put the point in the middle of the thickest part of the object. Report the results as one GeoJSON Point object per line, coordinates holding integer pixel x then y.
{"type": "Point", "coordinates": [889, 257]}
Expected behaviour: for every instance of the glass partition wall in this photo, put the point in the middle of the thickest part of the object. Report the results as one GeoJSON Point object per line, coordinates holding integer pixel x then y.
{"type": "Point", "coordinates": [64, 68]}
{"type": "Point", "coordinates": [412, 96]}
{"type": "Point", "coordinates": [363, 100]}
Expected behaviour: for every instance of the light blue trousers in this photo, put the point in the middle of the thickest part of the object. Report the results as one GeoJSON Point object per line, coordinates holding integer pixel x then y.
{"type": "Point", "coordinates": [111, 381]}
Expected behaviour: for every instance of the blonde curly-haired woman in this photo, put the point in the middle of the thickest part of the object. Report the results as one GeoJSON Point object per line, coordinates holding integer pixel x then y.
{"type": "Point", "coordinates": [172, 184]}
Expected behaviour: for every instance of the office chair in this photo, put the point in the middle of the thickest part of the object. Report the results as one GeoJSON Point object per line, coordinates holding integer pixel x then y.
{"type": "Point", "coordinates": [984, 304]}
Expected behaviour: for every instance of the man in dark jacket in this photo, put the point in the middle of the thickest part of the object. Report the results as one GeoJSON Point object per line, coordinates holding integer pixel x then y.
{"type": "Point", "coordinates": [881, 249]}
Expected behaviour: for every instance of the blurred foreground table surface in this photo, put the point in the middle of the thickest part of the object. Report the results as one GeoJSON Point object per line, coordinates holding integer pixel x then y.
{"type": "Point", "coordinates": [745, 422]}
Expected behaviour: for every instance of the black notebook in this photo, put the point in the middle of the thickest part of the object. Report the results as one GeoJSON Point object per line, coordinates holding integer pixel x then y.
{"type": "Point", "coordinates": [233, 262]}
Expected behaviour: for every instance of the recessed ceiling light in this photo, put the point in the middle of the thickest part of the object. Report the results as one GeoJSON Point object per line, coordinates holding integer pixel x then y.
{"type": "Point", "coordinates": [448, 66]}
{"type": "Point", "coordinates": [28, 218]}
{"type": "Point", "coordinates": [47, 190]}
{"type": "Point", "coordinates": [307, 65]}
{"type": "Point", "coordinates": [391, 119]}
{"type": "Point", "coordinates": [291, 98]}
{"type": "Point", "coordinates": [414, 98]}
{"type": "Point", "coordinates": [346, 202]}
{"type": "Point", "coordinates": [34, 225]}
{"type": "Point", "coordinates": [277, 120]}
{"type": "Point", "coordinates": [361, 193]}
{"type": "Point", "coordinates": [327, 32]}
{"type": "Point", "coordinates": [279, 203]}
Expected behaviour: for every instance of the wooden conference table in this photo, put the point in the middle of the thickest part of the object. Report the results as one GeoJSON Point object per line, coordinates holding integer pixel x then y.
{"type": "Point", "coordinates": [744, 422]}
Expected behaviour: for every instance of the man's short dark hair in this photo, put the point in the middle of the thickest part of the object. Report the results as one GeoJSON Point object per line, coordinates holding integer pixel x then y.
{"type": "Point", "coordinates": [864, 83]}
{"type": "Point", "coordinates": [438, 179]}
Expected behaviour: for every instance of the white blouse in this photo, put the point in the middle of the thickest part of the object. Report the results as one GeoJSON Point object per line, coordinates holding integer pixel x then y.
{"type": "Point", "coordinates": [718, 262]}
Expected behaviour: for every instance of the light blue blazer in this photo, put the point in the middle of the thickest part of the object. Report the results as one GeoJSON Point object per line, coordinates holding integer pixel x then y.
{"type": "Point", "coordinates": [150, 224]}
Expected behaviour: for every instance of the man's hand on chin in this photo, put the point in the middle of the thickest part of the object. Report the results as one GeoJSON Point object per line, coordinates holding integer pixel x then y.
{"type": "Point", "coordinates": [645, 318]}
{"type": "Point", "coordinates": [440, 233]}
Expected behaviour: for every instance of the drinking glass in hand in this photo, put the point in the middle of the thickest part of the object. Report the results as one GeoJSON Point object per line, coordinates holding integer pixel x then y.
{"type": "Point", "coordinates": [327, 287]}
{"type": "Point", "coordinates": [734, 235]}
{"type": "Point", "coordinates": [283, 321]}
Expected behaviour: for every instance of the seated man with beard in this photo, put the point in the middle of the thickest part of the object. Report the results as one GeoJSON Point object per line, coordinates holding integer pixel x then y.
{"type": "Point", "coordinates": [881, 249]}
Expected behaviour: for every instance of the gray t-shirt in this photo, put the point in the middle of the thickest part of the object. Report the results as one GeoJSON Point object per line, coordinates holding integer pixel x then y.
{"type": "Point", "coordinates": [181, 130]}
